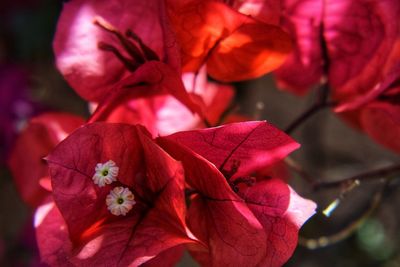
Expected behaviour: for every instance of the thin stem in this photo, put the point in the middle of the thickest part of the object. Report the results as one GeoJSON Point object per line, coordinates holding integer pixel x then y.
{"type": "Point", "coordinates": [374, 174]}
{"type": "Point", "coordinates": [323, 89]}
{"type": "Point", "coordinates": [296, 167]}
{"type": "Point", "coordinates": [342, 196]}
{"type": "Point", "coordinates": [320, 103]}
{"type": "Point", "coordinates": [324, 241]}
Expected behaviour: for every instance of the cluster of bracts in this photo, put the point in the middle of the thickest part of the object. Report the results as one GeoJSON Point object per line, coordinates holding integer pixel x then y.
{"type": "Point", "coordinates": [160, 167]}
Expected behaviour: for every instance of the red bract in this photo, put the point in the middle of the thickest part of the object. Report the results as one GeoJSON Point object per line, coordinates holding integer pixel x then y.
{"type": "Point", "coordinates": [303, 67]}
{"type": "Point", "coordinates": [234, 46]}
{"type": "Point", "coordinates": [278, 169]}
{"type": "Point", "coordinates": [98, 233]}
{"type": "Point", "coordinates": [378, 113]}
{"type": "Point", "coordinates": [244, 220]}
{"type": "Point", "coordinates": [54, 244]}
{"type": "Point", "coordinates": [245, 147]}
{"type": "Point", "coordinates": [99, 44]}
{"type": "Point", "coordinates": [348, 41]}
{"type": "Point", "coordinates": [381, 121]}
{"type": "Point", "coordinates": [165, 115]}
{"type": "Point", "coordinates": [26, 162]}
{"type": "Point", "coordinates": [52, 234]}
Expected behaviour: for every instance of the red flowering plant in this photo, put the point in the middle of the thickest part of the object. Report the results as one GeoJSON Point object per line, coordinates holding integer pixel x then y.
{"type": "Point", "coordinates": [147, 175]}
{"type": "Point", "coordinates": [96, 208]}
{"type": "Point", "coordinates": [31, 175]}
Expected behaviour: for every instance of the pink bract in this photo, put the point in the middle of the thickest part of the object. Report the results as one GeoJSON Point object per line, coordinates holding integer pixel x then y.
{"type": "Point", "coordinates": [151, 79]}
{"type": "Point", "coordinates": [93, 72]}
{"type": "Point", "coordinates": [164, 114]}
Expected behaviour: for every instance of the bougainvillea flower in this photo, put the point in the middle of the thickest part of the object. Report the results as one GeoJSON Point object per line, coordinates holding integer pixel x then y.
{"type": "Point", "coordinates": [26, 162]}
{"type": "Point", "coordinates": [234, 46]}
{"type": "Point", "coordinates": [141, 229]}
{"type": "Point", "coordinates": [89, 70]}
{"type": "Point", "coordinates": [346, 41]}
{"type": "Point", "coordinates": [163, 114]}
{"type": "Point", "coordinates": [244, 220]}
{"type": "Point", "coordinates": [98, 44]}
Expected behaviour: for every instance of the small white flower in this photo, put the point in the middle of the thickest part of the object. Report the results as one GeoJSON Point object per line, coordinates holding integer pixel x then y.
{"type": "Point", "coordinates": [120, 201]}
{"type": "Point", "coordinates": [106, 173]}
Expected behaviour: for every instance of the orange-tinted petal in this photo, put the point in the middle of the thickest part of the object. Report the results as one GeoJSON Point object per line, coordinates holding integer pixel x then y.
{"type": "Point", "coordinates": [234, 46]}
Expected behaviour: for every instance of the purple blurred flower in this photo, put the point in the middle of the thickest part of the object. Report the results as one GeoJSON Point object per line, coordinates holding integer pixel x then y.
{"type": "Point", "coordinates": [16, 105]}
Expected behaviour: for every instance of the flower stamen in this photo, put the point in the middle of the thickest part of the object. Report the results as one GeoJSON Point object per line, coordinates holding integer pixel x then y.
{"type": "Point", "coordinates": [105, 173]}
{"type": "Point", "coordinates": [131, 43]}
{"type": "Point", "coordinates": [120, 201]}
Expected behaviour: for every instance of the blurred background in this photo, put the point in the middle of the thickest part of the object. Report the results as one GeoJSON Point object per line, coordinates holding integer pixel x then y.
{"type": "Point", "coordinates": [30, 84]}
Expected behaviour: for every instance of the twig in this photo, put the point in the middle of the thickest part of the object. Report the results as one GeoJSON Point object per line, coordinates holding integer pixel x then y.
{"type": "Point", "coordinates": [320, 103]}
{"type": "Point", "coordinates": [296, 167]}
{"type": "Point", "coordinates": [374, 174]}
{"type": "Point", "coordinates": [324, 241]}
{"type": "Point", "coordinates": [344, 192]}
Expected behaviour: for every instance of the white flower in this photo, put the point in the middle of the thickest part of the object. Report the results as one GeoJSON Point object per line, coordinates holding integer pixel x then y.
{"type": "Point", "coordinates": [106, 173]}
{"type": "Point", "coordinates": [120, 201]}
